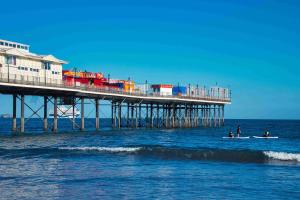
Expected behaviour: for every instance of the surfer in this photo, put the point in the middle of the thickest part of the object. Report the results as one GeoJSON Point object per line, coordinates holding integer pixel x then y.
{"type": "Point", "coordinates": [267, 133]}
{"type": "Point", "coordinates": [230, 134]}
{"type": "Point", "coordinates": [238, 131]}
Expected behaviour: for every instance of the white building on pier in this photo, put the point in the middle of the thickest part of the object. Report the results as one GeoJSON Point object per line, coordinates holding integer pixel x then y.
{"type": "Point", "coordinates": [18, 63]}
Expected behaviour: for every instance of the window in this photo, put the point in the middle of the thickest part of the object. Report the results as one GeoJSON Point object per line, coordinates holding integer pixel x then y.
{"type": "Point", "coordinates": [6, 44]}
{"type": "Point", "coordinates": [19, 68]}
{"type": "Point", "coordinates": [26, 48]}
{"type": "Point", "coordinates": [10, 60]}
{"type": "Point", "coordinates": [47, 65]}
{"type": "Point", "coordinates": [26, 69]}
{"type": "Point", "coordinates": [1, 43]}
{"type": "Point", "coordinates": [10, 44]}
{"type": "Point", "coordinates": [31, 69]}
{"type": "Point", "coordinates": [18, 46]}
{"type": "Point", "coordinates": [14, 45]}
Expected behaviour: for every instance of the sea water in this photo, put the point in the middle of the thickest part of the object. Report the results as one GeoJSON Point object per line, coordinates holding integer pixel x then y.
{"type": "Point", "coordinates": [194, 163]}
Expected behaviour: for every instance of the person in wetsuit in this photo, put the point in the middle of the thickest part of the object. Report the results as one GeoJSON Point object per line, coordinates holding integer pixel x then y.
{"type": "Point", "coordinates": [230, 134]}
{"type": "Point", "coordinates": [267, 133]}
{"type": "Point", "coordinates": [238, 131]}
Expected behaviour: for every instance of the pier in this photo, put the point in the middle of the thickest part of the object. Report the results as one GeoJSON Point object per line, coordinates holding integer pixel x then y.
{"type": "Point", "coordinates": [127, 109]}
{"type": "Point", "coordinates": [24, 74]}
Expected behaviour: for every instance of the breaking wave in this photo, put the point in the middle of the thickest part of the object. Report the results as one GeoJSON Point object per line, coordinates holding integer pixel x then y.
{"type": "Point", "coordinates": [107, 149]}
{"type": "Point", "coordinates": [227, 155]}
{"type": "Point", "coordinates": [163, 152]}
{"type": "Point", "coordinates": [284, 156]}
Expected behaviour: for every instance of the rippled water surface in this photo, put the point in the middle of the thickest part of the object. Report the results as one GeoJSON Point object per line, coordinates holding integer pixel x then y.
{"type": "Point", "coordinates": [151, 164]}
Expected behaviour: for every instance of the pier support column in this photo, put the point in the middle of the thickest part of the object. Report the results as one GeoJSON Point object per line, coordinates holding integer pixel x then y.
{"type": "Point", "coordinates": [195, 116]}
{"type": "Point", "coordinates": [119, 114]}
{"type": "Point", "coordinates": [151, 115]}
{"type": "Point", "coordinates": [136, 116]}
{"type": "Point", "coordinates": [55, 116]}
{"type": "Point", "coordinates": [190, 110]}
{"type": "Point", "coordinates": [219, 115]}
{"type": "Point", "coordinates": [45, 113]}
{"type": "Point", "coordinates": [192, 116]}
{"type": "Point", "coordinates": [147, 115]}
{"type": "Point", "coordinates": [185, 116]}
{"type": "Point", "coordinates": [82, 114]}
{"type": "Point", "coordinates": [167, 116]}
{"type": "Point", "coordinates": [210, 116]}
{"type": "Point", "coordinates": [215, 119]}
{"type": "Point", "coordinates": [132, 115]}
{"type": "Point", "coordinates": [205, 116]}
{"type": "Point", "coordinates": [115, 114]}
{"type": "Point", "coordinates": [73, 114]}
{"type": "Point", "coordinates": [22, 114]}
{"type": "Point", "coordinates": [173, 116]}
{"type": "Point", "coordinates": [128, 111]}
{"type": "Point", "coordinates": [163, 116]}
{"type": "Point", "coordinates": [179, 117]}
{"type": "Point", "coordinates": [97, 114]}
{"type": "Point", "coordinates": [14, 123]}
{"type": "Point", "coordinates": [140, 115]}
{"type": "Point", "coordinates": [202, 118]}
{"type": "Point", "coordinates": [157, 116]}
{"type": "Point", "coordinates": [223, 120]}
{"type": "Point", "coordinates": [112, 114]}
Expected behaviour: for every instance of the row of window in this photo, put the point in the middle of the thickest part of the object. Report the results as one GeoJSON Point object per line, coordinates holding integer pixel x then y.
{"type": "Point", "coordinates": [35, 70]}
{"type": "Point", "coordinates": [12, 60]}
{"type": "Point", "coordinates": [26, 69]}
{"type": "Point", "coordinates": [13, 45]}
{"type": "Point", "coordinates": [57, 73]}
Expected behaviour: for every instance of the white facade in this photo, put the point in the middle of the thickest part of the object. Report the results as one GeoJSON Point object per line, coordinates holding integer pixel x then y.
{"type": "Point", "coordinates": [18, 63]}
{"type": "Point", "coordinates": [141, 88]}
{"type": "Point", "coordinates": [163, 90]}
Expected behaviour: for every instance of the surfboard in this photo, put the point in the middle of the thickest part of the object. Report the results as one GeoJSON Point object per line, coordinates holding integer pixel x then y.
{"type": "Point", "coordinates": [262, 137]}
{"type": "Point", "coordinates": [236, 137]}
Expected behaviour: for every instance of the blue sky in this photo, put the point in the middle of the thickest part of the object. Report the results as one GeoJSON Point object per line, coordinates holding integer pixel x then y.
{"type": "Point", "coordinates": [250, 46]}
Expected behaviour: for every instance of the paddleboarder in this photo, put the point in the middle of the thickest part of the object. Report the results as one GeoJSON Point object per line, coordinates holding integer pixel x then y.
{"type": "Point", "coordinates": [238, 131]}
{"type": "Point", "coordinates": [267, 133]}
{"type": "Point", "coordinates": [230, 134]}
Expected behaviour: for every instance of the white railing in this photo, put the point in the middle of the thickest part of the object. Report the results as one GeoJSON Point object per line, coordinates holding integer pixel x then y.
{"type": "Point", "coordinates": [36, 81]}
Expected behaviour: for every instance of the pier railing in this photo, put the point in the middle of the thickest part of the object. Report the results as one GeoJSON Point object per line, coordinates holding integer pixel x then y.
{"type": "Point", "coordinates": [56, 83]}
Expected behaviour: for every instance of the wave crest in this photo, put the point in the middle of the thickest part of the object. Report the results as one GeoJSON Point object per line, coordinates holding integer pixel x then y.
{"type": "Point", "coordinates": [283, 156]}
{"type": "Point", "coordinates": [107, 149]}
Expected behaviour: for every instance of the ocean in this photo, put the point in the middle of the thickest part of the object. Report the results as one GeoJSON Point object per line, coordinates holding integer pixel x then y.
{"type": "Point", "coordinates": [195, 163]}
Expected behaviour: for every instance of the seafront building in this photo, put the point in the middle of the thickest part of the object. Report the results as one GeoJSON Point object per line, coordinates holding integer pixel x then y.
{"type": "Point", "coordinates": [23, 73]}
{"type": "Point", "coordinates": [18, 63]}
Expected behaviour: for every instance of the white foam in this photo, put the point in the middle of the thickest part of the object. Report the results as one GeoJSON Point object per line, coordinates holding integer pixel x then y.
{"type": "Point", "coordinates": [283, 156]}
{"type": "Point", "coordinates": [107, 149]}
